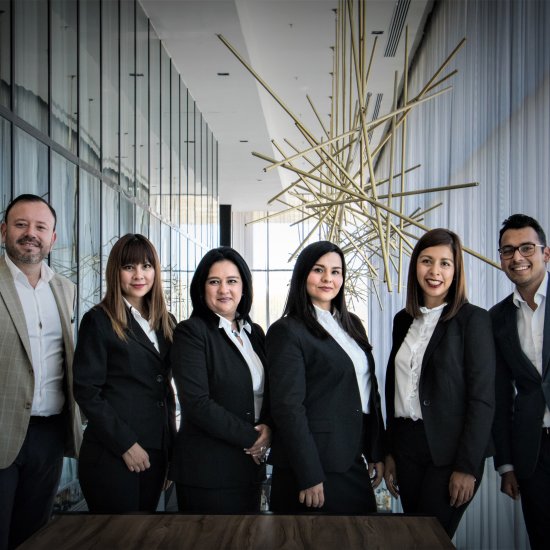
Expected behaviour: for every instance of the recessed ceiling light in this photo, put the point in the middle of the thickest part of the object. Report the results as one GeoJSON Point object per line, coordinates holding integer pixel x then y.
{"type": "Point", "coordinates": [223, 74]}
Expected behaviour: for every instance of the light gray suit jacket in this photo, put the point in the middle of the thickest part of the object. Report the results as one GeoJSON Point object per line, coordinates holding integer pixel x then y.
{"type": "Point", "coordinates": [16, 372]}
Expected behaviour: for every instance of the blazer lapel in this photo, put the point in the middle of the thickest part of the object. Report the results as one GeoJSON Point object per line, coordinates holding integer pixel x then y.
{"type": "Point", "coordinates": [137, 334]}
{"type": "Point", "coordinates": [510, 339]}
{"type": "Point", "coordinates": [439, 332]}
{"type": "Point", "coordinates": [546, 331]}
{"type": "Point", "coordinates": [13, 305]}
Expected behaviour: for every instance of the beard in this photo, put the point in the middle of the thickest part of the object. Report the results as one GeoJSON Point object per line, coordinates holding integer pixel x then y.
{"type": "Point", "coordinates": [31, 258]}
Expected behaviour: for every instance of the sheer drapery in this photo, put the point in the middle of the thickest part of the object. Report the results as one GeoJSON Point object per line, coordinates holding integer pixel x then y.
{"type": "Point", "coordinates": [492, 128]}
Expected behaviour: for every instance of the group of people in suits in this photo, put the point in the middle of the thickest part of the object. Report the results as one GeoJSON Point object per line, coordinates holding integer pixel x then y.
{"type": "Point", "coordinates": [462, 384]}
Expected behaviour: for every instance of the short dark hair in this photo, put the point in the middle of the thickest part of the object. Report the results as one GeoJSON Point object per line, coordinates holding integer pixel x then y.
{"type": "Point", "coordinates": [456, 297]}
{"type": "Point", "coordinates": [298, 303]}
{"type": "Point", "coordinates": [519, 221]}
{"type": "Point", "coordinates": [27, 197]}
{"type": "Point", "coordinates": [201, 274]}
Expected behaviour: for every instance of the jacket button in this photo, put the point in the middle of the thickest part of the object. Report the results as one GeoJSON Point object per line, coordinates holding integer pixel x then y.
{"type": "Point", "coordinates": [28, 405]}
{"type": "Point", "coordinates": [160, 404]}
{"type": "Point", "coordinates": [426, 402]}
{"type": "Point", "coordinates": [248, 414]}
{"type": "Point", "coordinates": [160, 378]}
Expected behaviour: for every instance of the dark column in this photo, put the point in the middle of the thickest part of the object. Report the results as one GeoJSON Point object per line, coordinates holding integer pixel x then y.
{"type": "Point", "coordinates": [225, 225]}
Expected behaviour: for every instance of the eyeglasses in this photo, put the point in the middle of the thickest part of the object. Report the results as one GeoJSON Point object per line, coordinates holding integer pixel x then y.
{"type": "Point", "coordinates": [525, 249]}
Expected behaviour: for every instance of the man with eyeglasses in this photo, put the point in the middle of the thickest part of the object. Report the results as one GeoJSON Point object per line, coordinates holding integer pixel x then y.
{"type": "Point", "coordinates": [521, 324]}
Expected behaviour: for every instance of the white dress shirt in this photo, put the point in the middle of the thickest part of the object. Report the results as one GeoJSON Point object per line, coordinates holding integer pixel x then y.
{"type": "Point", "coordinates": [144, 324]}
{"type": "Point", "coordinates": [408, 363]}
{"type": "Point", "coordinates": [531, 330]}
{"type": "Point", "coordinates": [240, 339]}
{"type": "Point", "coordinates": [357, 355]}
{"type": "Point", "coordinates": [46, 339]}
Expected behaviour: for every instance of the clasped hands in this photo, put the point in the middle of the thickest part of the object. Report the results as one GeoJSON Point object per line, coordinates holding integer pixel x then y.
{"type": "Point", "coordinates": [261, 445]}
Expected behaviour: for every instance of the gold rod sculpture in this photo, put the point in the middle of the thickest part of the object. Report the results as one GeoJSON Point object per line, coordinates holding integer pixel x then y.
{"type": "Point", "coordinates": [336, 192]}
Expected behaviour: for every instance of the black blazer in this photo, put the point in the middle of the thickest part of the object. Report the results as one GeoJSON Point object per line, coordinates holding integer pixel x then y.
{"type": "Point", "coordinates": [518, 419]}
{"type": "Point", "coordinates": [456, 388]}
{"type": "Point", "coordinates": [123, 388]}
{"type": "Point", "coordinates": [214, 388]}
{"type": "Point", "coordinates": [316, 406]}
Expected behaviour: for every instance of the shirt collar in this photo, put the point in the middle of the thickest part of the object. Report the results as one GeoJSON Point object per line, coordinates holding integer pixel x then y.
{"type": "Point", "coordinates": [426, 310]}
{"type": "Point", "coordinates": [540, 294]}
{"type": "Point", "coordinates": [224, 323]}
{"type": "Point", "coordinates": [324, 313]}
{"type": "Point", "coordinates": [46, 273]}
{"type": "Point", "coordinates": [133, 310]}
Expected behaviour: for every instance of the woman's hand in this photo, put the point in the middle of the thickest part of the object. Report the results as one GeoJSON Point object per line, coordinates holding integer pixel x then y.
{"type": "Point", "coordinates": [376, 473]}
{"type": "Point", "coordinates": [261, 445]}
{"type": "Point", "coordinates": [136, 458]}
{"type": "Point", "coordinates": [461, 488]}
{"type": "Point", "coordinates": [390, 476]}
{"type": "Point", "coordinates": [313, 497]}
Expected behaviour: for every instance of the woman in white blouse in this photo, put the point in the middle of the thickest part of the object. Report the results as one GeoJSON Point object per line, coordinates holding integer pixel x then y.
{"type": "Point", "coordinates": [327, 442]}
{"type": "Point", "coordinates": [218, 361]}
{"type": "Point", "coordinates": [123, 384]}
{"type": "Point", "coordinates": [439, 387]}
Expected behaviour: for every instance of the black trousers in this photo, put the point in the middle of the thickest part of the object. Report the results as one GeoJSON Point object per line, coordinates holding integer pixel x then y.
{"type": "Point", "coordinates": [535, 497]}
{"type": "Point", "coordinates": [423, 486]}
{"type": "Point", "coordinates": [204, 500]}
{"type": "Point", "coordinates": [109, 487]}
{"type": "Point", "coordinates": [28, 486]}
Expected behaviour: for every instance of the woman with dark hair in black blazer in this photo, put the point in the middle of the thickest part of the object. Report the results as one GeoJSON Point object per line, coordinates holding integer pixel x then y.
{"type": "Point", "coordinates": [122, 384]}
{"type": "Point", "coordinates": [439, 386]}
{"type": "Point", "coordinates": [324, 395]}
{"type": "Point", "coordinates": [218, 360]}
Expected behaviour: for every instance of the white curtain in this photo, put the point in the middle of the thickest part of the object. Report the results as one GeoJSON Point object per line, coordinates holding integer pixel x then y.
{"type": "Point", "coordinates": [492, 128]}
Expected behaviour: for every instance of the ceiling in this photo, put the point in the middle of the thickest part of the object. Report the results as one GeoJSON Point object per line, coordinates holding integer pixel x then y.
{"type": "Point", "coordinates": [288, 43]}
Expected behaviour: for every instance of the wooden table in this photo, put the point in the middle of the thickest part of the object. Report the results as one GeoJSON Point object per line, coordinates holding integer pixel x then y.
{"type": "Point", "coordinates": [255, 532]}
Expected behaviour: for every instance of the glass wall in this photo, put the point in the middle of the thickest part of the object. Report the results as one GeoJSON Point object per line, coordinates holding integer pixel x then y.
{"type": "Point", "coordinates": [95, 118]}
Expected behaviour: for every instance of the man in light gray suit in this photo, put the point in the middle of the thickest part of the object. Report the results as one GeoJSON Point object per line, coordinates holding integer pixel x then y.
{"type": "Point", "coordinates": [39, 422]}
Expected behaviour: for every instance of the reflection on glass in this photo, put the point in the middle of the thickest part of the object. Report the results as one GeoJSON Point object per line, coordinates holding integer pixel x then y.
{"type": "Point", "coordinates": [89, 244]}
{"type": "Point", "coordinates": [154, 232]}
{"type": "Point", "coordinates": [184, 152]}
{"type": "Point", "coordinates": [30, 165]}
{"type": "Point", "coordinates": [154, 119]}
{"type": "Point", "coordinates": [164, 253]}
{"type": "Point", "coordinates": [191, 161]}
{"type": "Point", "coordinates": [165, 132]}
{"type": "Point", "coordinates": [109, 85]}
{"type": "Point", "coordinates": [175, 147]}
{"type": "Point", "coordinates": [64, 102]}
{"type": "Point", "coordinates": [142, 105]}
{"type": "Point", "coordinates": [5, 53]}
{"type": "Point", "coordinates": [31, 62]}
{"type": "Point", "coordinates": [63, 197]}
{"type": "Point", "coordinates": [90, 105]}
{"type": "Point", "coordinates": [127, 97]}
{"type": "Point", "coordinates": [5, 164]}
{"type": "Point", "coordinates": [142, 221]}
{"type": "Point", "coordinates": [109, 226]}
{"type": "Point", "coordinates": [178, 288]}
{"type": "Point", "coordinates": [127, 221]}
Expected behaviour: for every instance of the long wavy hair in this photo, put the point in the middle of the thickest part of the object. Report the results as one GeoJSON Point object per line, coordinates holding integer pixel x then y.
{"type": "Point", "coordinates": [456, 297]}
{"type": "Point", "coordinates": [298, 303]}
{"type": "Point", "coordinates": [134, 248]}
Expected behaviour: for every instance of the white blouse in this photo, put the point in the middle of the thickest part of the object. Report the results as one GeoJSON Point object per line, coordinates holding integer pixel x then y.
{"type": "Point", "coordinates": [240, 339]}
{"type": "Point", "coordinates": [408, 363]}
{"type": "Point", "coordinates": [357, 355]}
